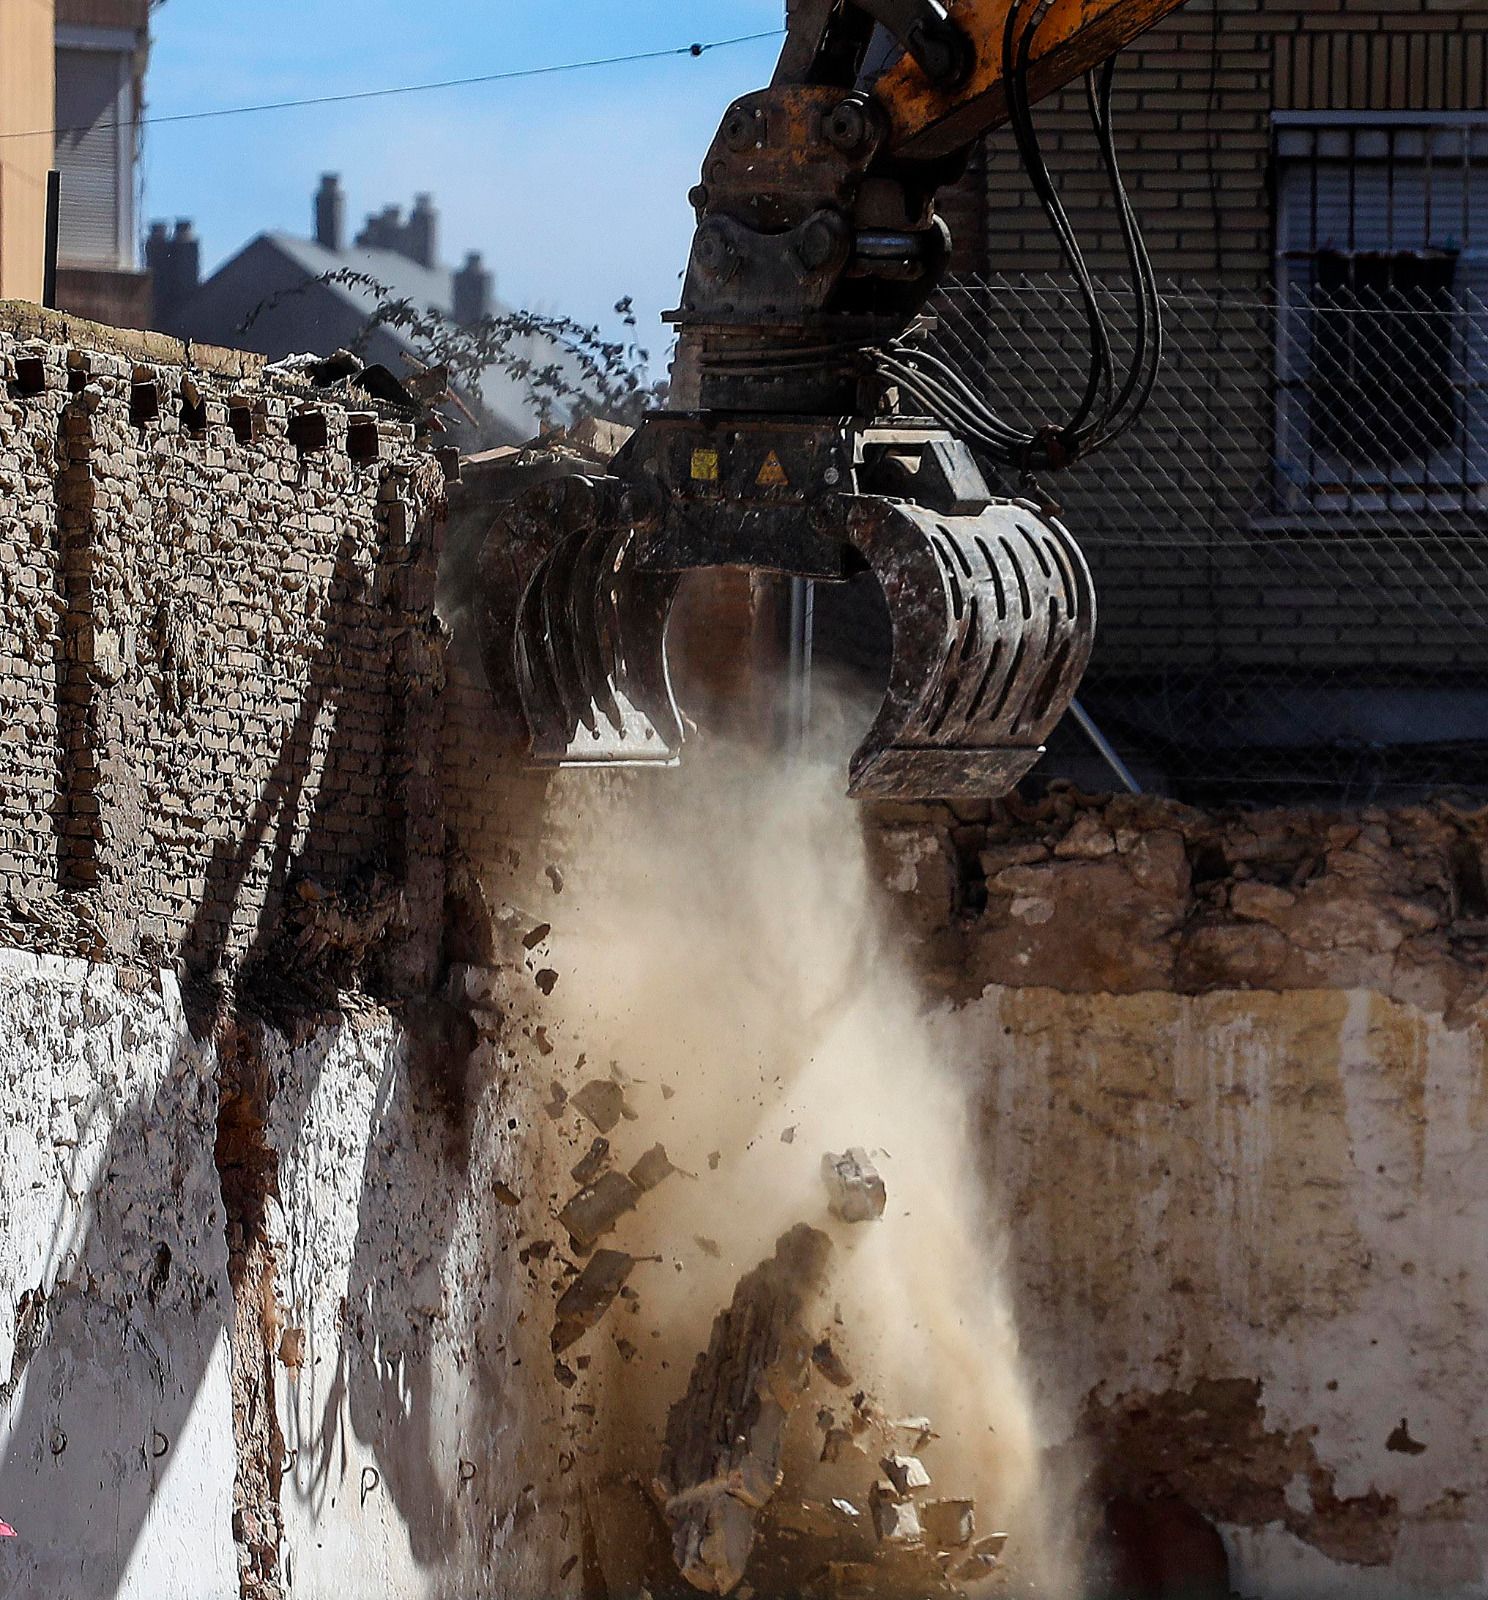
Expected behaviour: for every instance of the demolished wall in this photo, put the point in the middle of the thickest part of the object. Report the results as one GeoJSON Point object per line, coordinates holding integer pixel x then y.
{"type": "Point", "coordinates": [217, 587]}
{"type": "Point", "coordinates": [264, 1155]}
{"type": "Point", "coordinates": [1232, 1076]}
{"type": "Point", "coordinates": [278, 1028]}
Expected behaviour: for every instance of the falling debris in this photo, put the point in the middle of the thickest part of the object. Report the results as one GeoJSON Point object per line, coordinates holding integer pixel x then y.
{"type": "Point", "coordinates": [597, 1207]}
{"type": "Point", "coordinates": [709, 1247]}
{"type": "Point", "coordinates": [714, 1157]}
{"type": "Point", "coordinates": [985, 1557]}
{"type": "Point", "coordinates": [829, 1364]}
{"type": "Point", "coordinates": [948, 1524]}
{"type": "Point", "coordinates": [906, 1473]}
{"type": "Point", "coordinates": [837, 1440]}
{"type": "Point", "coordinates": [589, 1296]}
{"type": "Point", "coordinates": [789, 1136]}
{"type": "Point", "coordinates": [530, 941]}
{"type": "Point", "coordinates": [505, 1194]}
{"type": "Point", "coordinates": [722, 1459]}
{"type": "Point", "coordinates": [594, 1160]}
{"type": "Point", "coordinates": [555, 877]}
{"type": "Point", "coordinates": [895, 1520]}
{"type": "Point", "coordinates": [919, 1429]}
{"type": "Point", "coordinates": [651, 1169]}
{"type": "Point", "coordinates": [602, 1101]}
{"type": "Point", "coordinates": [855, 1191]}
{"type": "Point", "coordinates": [547, 980]}
{"type": "Point", "coordinates": [557, 1100]}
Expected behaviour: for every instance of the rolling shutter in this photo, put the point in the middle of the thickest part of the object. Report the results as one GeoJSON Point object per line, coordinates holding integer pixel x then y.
{"type": "Point", "coordinates": [91, 106]}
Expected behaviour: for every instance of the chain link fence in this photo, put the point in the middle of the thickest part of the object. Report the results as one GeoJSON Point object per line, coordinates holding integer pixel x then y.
{"type": "Point", "coordinates": [1290, 548]}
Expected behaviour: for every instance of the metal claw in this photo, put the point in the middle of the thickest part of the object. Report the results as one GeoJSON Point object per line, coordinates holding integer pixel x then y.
{"type": "Point", "coordinates": [993, 618]}
{"type": "Point", "coordinates": [586, 660]}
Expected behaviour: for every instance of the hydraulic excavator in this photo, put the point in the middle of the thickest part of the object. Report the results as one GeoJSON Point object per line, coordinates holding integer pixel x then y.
{"type": "Point", "coordinates": [811, 433]}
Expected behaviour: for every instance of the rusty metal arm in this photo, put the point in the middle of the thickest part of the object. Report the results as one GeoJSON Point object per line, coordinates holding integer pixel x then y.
{"type": "Point", "coordinates": [1073, 37]}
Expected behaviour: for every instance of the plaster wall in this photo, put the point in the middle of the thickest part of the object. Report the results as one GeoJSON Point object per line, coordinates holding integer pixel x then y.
{"type": "Point", "coordinates": [1246, 1231]}
{"type": "Point", "coordinates": [357, 1406]}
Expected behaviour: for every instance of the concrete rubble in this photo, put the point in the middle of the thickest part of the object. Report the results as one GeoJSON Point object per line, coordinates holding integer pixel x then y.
{"type": "Point", "coordinates": [651, 1169]}
{"type": "Point", "coordinates": [597, 1207]}
{"type": "Point", "coordinates": [602, 1101]}
{"type": "Point", "coordinates": [721, 1461]}
{"type": "Point", "coordinates": [589, 1296]}
{"type": "Point", "coordinates": [896, 1518]}
{"type": "Point", "coordinates": [855, 1191]}
{"type": "Point", "coordinates": [593, 1161]}
{"type": "Point", "coordinates": [905, 1473]}
{"type": "Point", "coordinates": [727, 1454]}
{"type": "Point", "coordinates": [948, 1524]}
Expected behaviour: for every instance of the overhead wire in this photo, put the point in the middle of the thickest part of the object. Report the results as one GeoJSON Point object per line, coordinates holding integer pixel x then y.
{"type": "Point", "coordinates": [693, 50]}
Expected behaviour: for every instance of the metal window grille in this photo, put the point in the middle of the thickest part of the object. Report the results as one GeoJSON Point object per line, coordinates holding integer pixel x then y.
{"type": "Point", "coordinates": [1381, 390]}
{"type": "Point", "coordinates": [1312, 634]}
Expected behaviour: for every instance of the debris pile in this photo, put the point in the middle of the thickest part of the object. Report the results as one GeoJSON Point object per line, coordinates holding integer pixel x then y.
{"type": "Point", "coordinates": [738, 1384]}
{"type": "Point", "coordinates": [724, 1439]}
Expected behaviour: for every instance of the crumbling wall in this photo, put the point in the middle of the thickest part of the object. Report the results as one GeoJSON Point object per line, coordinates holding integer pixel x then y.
{"type": "Point", "coordinates": [259, 1324]}
{"type": "Point", "coordinates": [223, 668]}
{"type": "Point", "coordinates": [277, 1292]}
{"type": "Point", "coordinates": [1232, 1074]}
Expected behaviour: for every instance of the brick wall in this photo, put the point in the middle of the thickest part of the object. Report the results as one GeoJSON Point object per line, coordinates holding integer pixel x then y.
{"type": "Point", "coordinates": [1213, 552]}
{"type": "Point", "coordinates": [1193, 104]}
{"type": "Point", "coordinates": [120, 299]}
{"type": "Point", "coordinates": [222, 667]}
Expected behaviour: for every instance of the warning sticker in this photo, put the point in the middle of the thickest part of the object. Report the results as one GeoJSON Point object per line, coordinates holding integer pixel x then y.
{"type": "Point", "coordinates": [705, 466]}
{"type": "Point", "coordinates": [772, 474]}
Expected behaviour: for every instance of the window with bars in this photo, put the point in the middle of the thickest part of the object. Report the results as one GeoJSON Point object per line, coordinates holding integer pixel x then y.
{"type": "Point", "coordinates": [1382, 341]}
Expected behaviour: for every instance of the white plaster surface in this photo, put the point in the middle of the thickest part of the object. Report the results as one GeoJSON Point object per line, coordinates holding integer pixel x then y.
{"type": "Point", "coordinates": [1285, 1188]}
{"type": "Point", "coordinates": [116, 1430]}
{"type": "Point", "coordinates": [418, 1427]}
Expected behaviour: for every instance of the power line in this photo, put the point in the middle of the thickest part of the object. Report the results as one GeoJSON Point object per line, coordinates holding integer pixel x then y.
{"type": "Point", "coordinates": [407, 88]}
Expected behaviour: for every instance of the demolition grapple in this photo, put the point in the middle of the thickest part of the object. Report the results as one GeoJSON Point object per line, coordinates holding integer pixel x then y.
{"type": "Point", "coordinates": [809, 437]}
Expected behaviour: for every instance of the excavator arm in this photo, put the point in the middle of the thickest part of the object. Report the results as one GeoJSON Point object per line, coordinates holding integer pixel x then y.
{"type": "Point", "coordinates": [929, 119]}
{"type": "Point", "coordinates": [807, 435]}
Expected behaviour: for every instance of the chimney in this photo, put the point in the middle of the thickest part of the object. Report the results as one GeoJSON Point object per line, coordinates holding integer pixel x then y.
{"type": "Point", "coordinates": [383, 230]}
{"type": "Point", "coordinates": [330, 214]}
{"type": "Point", "coordinates": [471, 291]}
{"type": "Point", "coordinates": [421, 237]}
{"type": "Point", "coordinates": [174, 263]}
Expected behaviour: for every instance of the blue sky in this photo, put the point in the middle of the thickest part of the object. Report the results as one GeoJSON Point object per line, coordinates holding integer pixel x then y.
{"type": "Point", "coordinates": [574, 186]}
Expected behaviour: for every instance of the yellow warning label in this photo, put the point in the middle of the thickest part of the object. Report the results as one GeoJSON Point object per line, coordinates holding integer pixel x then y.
{"type": "Point", "coordinates": [705, 466]}
{"type": "Point", "coordinates": [772, 474]}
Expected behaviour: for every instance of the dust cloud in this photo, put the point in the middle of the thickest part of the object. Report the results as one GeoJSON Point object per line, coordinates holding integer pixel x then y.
{"type": "Point", "coordinates": [723, 956]}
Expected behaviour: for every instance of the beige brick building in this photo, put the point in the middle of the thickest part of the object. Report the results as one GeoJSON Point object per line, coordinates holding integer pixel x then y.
{"type": "Point", "coordinates": [26, 35]}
